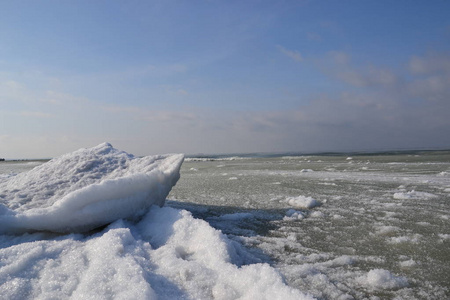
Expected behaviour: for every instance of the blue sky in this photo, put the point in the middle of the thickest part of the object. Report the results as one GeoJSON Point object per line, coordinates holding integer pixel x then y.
{"type": "Point", "coordinates": [223, 76]}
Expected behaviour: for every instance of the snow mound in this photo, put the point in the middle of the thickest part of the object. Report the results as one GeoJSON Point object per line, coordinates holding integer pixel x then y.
{"type": "Point", "coordinates": [86, 189]}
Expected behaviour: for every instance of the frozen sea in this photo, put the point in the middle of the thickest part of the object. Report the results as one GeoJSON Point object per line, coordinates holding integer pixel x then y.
{"type": "Point", "coordinates": [336, 226]}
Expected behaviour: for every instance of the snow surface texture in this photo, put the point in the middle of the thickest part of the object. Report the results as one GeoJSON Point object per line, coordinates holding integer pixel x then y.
{"type": "Point", "coordinates": [167, 255]}
{"type": "Point", "coordinates": [86, 189]}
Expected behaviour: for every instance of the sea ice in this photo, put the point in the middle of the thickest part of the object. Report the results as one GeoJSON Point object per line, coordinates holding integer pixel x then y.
{"type": "Point", "coordinates": [86, 189]}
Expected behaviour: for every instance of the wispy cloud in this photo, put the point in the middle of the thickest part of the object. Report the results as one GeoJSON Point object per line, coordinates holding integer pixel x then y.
{"type": "Point", "coordinates": [293, 54]}
{"type": "Point", "coordinates": [312, 36]}
{"type": "Point", "coordinates": [339, 66]}
{"type": "Point", "coordinates": [427, 77]}
{"type": "Point", "coordinates": [430, 78]}
{"type": "Point", "coordinates": [11, 90]}
{"type": "Point", "coordinates": [60, 98]}
{"type": "Point", "coordinates": [35, 114]}
{"type": "Point", "coordinates": [430, 63]}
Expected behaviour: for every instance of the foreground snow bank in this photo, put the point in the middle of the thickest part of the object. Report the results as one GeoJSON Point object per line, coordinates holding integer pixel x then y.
{"type": "Point", "coordinates": [167, 255]}
{"type": "Point", "coordinates": [86, 189]}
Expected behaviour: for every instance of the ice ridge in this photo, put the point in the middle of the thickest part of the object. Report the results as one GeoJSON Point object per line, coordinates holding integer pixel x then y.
{"type": "Point", "coordinates": [86, 189]}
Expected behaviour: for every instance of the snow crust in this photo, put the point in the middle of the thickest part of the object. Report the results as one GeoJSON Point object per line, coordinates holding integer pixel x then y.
{"type": "Point", "coordinates": [86, 189]}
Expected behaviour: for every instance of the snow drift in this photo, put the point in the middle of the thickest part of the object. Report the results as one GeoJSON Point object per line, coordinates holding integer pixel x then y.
{"type": "Point", "coordinates": [86, 189]}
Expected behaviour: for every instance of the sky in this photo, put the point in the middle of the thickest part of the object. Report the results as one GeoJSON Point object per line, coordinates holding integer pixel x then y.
{"type": "Point", "coordinates": [213, 76]}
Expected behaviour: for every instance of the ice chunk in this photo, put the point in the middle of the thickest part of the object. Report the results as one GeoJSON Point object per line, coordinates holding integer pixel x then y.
{"type": "Point", "coordinates": [413, 195]}
{"type": "Point", "coordinates": [293, 214]}
{"type": "Point", "coordinates": [86, 189]}
{"type": "Point", "coordinates": [408, 263]}
{"type": "Point", "coordinates": [380, 279]}
{"type": "Point", "coordinates": [302, 202]}
{"type": "Point", "coordinates": [317, 214]}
